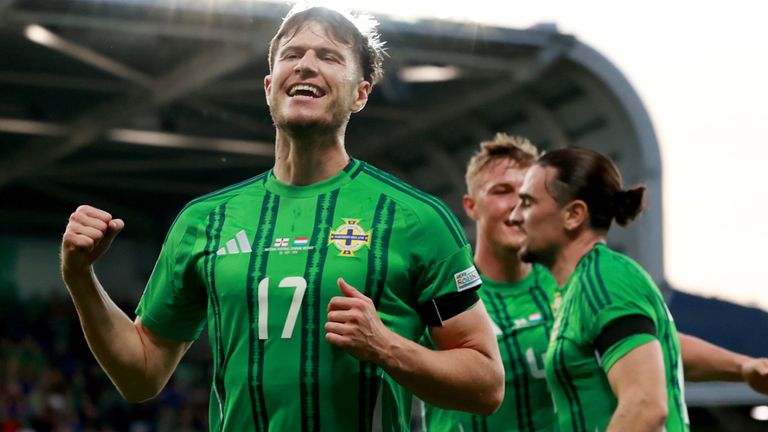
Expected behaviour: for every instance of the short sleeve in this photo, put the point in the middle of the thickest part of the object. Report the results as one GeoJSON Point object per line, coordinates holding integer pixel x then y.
{"type": "Point", "coordinates": [623, 347]}
{"type": "Point", "coordinates": [442, 255]}
{"type": "Point", "coordinates": [174, 302]}
{"type": "Point", "coordinates": [615, 289]}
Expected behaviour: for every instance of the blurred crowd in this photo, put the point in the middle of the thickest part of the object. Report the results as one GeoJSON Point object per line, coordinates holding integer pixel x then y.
{"type": "Point", "coordinates": [50, 381]}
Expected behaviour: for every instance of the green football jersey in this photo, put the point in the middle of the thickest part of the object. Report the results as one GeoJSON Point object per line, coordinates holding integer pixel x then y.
{"type": "Point", "coordinates": [522, 318]}
{"type": "Point", "coordinates": [259, 262]}
{"type": "Point", "coordinates": [607, 285]}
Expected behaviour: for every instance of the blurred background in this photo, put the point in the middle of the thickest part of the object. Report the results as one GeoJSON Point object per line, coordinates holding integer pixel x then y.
{"type": "Point", "coordinates": [138, 106]}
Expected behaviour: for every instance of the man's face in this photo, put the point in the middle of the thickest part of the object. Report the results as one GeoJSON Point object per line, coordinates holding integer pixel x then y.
{"type": "Point", "coordinates": [539, 218]}
{"type": "Point", "coordinates": [315, 81]}
{"type": "Point", "coordinates": [494, 197]}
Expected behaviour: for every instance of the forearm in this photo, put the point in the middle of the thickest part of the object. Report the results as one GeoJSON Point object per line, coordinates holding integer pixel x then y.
{"type": "Point", "coordinates": [703, 361]}
{"type": "Point", "coordinates": [460, 378]}
{"type": "Point", "coordinates": [641, 415]}
{"type": "Point", "coordinates": [112, 337]}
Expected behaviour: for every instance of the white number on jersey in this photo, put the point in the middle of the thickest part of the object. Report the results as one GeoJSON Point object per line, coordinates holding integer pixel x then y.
{"type": "Point", "coordinates": [300, 287]}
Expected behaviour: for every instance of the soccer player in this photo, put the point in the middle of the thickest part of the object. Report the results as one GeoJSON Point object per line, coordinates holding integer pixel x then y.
{"type": "Point", "coordinates": [270, 266]}
{"type": "Point", "coordinates": [518, 296]}
{"type": "Point", "coordinates": [613, 362]}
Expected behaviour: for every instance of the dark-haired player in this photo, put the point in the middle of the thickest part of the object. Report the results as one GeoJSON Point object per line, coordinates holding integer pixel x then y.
{"type": "Point", "coordinates": [613, 361]}
{"type": "Point", "coordinates": [270, 266]}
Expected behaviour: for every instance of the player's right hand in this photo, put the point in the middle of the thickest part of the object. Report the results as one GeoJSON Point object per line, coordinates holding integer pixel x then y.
{"type": "Point", "coordinates": [89, 233]}
{"type": "Point", "coordinates": [755, 372]}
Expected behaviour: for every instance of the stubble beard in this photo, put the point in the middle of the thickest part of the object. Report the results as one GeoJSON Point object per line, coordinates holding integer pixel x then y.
{"type": "Point", "coordinates": [545, 257]}
{"type": "Point", "coordinates": [309, 128]}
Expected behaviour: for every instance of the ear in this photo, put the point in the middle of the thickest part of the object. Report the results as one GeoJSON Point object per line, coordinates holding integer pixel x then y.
{"type": "Point", "coordinates": [469, 207]}
{"type": "Point", "coordinates": [574, 214]}
{"type": "Point", "coordinates": [267, 86]}
{"type": "Point", "coordinates": [361, 95]}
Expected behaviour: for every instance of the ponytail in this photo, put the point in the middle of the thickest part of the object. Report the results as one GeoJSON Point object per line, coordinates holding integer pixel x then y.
{"type": "Point", "coordinates": [628, 204]}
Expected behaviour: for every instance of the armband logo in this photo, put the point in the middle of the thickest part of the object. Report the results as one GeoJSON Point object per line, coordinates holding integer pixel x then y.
{"type": "Point", "coordinates": [466, 279]}
{"type": "Point", "coordinates": [350, 237]}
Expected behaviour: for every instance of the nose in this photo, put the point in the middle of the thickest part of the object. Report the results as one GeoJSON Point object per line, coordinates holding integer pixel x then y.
{"type": "Point", "coordinates": [516, 216]}
{"type": "Point", "coordinates": [307, 65]}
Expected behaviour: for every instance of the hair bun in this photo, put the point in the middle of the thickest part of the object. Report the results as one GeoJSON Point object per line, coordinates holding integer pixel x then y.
{"type": "Point", "coordinates": [628, 204]}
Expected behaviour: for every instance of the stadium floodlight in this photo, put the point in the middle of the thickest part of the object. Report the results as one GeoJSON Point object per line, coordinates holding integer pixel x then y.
{"type": "Point", "coordinates": [760, 413]}
{"type": "Point", "coordinates": [428, 73]}
{"type": "Point", "coordinates": [39, 34]}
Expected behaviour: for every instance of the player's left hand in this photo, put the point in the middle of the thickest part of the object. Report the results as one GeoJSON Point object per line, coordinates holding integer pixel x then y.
{"type": "Point", "coordinates": [354, 325]}
{"type": "Point", "coordinates": [755, 372]}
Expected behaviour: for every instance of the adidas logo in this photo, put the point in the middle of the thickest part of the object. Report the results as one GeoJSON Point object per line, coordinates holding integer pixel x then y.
{"type": "Point", "coordinates": [237, 245]}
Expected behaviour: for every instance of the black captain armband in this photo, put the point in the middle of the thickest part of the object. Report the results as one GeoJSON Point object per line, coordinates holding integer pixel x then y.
{"type": "Point", "coordinates": [447, 306]}
{"type": "Point", "coordinates": [622, 328]}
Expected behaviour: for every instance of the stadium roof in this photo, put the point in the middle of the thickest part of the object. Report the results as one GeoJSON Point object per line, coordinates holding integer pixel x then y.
{"type": "Point", "coordinates": [139, 106]}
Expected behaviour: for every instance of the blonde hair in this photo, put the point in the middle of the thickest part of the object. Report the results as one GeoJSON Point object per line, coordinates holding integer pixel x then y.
{"type": "Point", "coordinates": [514, 148]}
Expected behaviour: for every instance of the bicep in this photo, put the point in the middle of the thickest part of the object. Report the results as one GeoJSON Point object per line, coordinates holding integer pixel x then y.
{"type": "Point", "coordinates": [469, 329]}
{"type": "Point", "coordinates": [162, 354]}
{"type": "Point", "coordinates": [640, 372]}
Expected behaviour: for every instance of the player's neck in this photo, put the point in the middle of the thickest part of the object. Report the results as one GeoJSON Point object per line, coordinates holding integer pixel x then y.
{"type": "Point", "coordinates": [569, 255]}
{"type": "Point", "coordinates": [500, 264]}
{"type": "Point", "coordinates": [302, 161]}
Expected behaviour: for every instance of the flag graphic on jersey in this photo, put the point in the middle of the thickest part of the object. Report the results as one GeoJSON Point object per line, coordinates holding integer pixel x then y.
{"type": "Point", "coordinates": [273, 368]}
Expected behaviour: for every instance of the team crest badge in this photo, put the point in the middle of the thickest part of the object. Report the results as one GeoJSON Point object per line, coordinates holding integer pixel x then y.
{"type": "Point", "coordinates": [350, 237]}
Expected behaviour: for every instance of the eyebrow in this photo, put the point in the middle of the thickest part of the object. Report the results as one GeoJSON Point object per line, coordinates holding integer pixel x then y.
{"type": "Point", "coordinates": [525, 196]}
{"type": "Point", "coordinates": [320, 50]}
{"type": "Point", "coordinates": [501, 184]}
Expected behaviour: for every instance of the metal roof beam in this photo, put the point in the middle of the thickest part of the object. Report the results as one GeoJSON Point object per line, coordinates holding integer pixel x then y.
{"type": "Point", "coordinates": [146, 28]}
{"type": "Point", "coordinates": [180, 164]}
{"type": "Point", "coordinates": [549, 124]}
{"type": "Point", "coordinates": [183, 80]}
{"type": "Point", "coordinates": [62, 82]}
{"type": "Point", "coordinates": [405, 55]}
{"type": "Point", "coordinates": [453, 111]}
{"type": "Point", "coordinates": [233, 117]}
{"type": "Point", "coordinates": [51, 40]}
{"type": "Point", "coordinates": [154, 185]}
{"type": "Point", "coordinates": [234, 86]}
{"type": "Point", "coordinates": [5, 5]}
{"type": "Point", "coordinates": [147, 138]}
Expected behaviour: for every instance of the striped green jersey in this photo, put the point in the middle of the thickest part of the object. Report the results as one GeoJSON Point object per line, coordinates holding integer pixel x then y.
{"type": "Point", "coordinates": [522, 318]}
{"type": "Point", "coordinates": [259, 262]}
{"type": "Point", "coordinates": [607, 285]}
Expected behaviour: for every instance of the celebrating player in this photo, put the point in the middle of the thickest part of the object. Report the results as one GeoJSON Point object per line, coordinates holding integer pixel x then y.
{"type": "Point", "coordinates": [270, 266]}
{"type": "Point", "coordinates": [518, 297]}
{"type": "Point", "coordinates": [613, 362]}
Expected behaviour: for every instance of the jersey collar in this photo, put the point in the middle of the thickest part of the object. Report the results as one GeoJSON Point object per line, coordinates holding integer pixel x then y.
{"type": "Point", "coordinates": [284, 189]}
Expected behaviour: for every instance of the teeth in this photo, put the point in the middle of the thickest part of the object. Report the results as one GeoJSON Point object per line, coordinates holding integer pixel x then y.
{"type": "Point", "coordinates": [315, 91]}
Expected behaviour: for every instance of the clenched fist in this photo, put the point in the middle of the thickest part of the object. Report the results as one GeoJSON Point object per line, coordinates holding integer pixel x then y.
{"type": "Point", "coordinates": [89, 233]}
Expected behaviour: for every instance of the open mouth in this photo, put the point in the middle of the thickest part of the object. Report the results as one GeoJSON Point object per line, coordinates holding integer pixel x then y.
{"type": "Point", "coordinates": [305, 90]}
{"type": "Point", "coordinates": [514, 226]}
